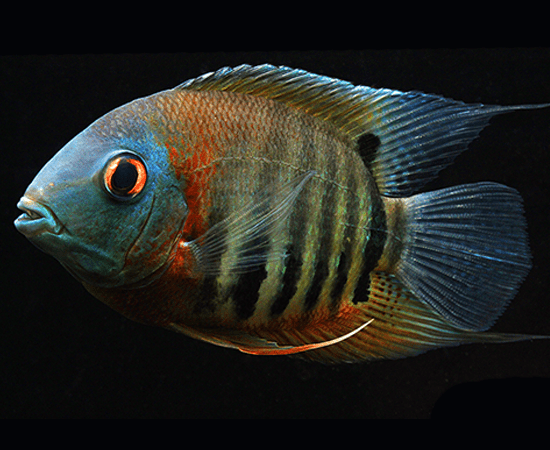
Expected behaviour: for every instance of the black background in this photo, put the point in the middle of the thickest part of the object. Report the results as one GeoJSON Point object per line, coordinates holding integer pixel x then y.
{"type": "Point", "coordinates": [66, 355]}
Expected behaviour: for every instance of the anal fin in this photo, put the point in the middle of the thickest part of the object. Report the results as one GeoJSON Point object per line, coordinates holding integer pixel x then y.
{"type": "Point", "coordinates": [391, 323]}
{"type": "Point", "coordinates": [401, 326]}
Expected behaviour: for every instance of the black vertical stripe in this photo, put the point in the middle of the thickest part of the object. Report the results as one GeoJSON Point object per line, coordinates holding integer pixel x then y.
{"type": "Point", "coordinates": [207, 301]}
{"type": "Point", "coordinates": [212, 262]}
{"type": "Point", "coordinates": [341, 275]}
{"type": "Point", "coordinates": [341, 278]}
{"type": "Point", "coordinates": [322, 260]}
{"type": "Point", "coordinates": [374, 248]}
{"type": "Point", "coordinates": [289, 284]}
{"type": "Point", "coordinates": [247, 291]}
{"type": "Point", "coordinates": [350, 217]}
{"type": "Point", "coordinates": [326, 195]}
{"type": "Point", "coordinates": [297, 236]}
{"type": "Point", "coordinates": [298, 226]}
{"type": "Point", "coordinates": [313, 294]}
{"type": "Point", "coordinates": [367, 146]}
{"type": "Point", "coordinates": [362, 293]}
{"type": "Point", "coordinates": [210, 292]}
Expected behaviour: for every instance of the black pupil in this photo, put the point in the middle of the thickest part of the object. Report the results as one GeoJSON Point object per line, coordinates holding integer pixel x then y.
{"type": "Point", "coordinates": [125, 177]}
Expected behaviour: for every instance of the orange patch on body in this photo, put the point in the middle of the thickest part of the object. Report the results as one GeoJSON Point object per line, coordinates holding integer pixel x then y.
{"type": "Point", "coordinates": [197, 171]}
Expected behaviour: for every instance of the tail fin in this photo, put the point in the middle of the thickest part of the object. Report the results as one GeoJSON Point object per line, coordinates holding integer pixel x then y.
{"type": "Point", "coordinates": [465, 251]}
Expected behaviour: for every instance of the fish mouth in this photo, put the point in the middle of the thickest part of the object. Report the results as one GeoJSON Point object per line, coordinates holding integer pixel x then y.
{"type": "Point", "coordinates": [36, 219]}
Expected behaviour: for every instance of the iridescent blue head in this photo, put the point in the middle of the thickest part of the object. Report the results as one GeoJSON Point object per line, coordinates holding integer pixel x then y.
{"type": "Point", "coordinates": [108, 205]}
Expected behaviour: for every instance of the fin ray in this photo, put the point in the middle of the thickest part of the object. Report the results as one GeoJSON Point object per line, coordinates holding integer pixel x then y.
{"type": "Point", "coordinates": [403, 326]}
{"type": "Point", "coordinates": [420, 134]}
{"type": "Point", "coordinates": [392, 323]}
{"type": "Point", "coordinates": [251, 228]}
{"type": "Point", "coordinates": [465, 251]}
{"type": "Point", "coordinates": [292, 350]}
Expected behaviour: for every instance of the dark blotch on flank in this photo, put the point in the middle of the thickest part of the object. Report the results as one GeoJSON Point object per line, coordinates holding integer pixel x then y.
{"type": "Point", "coordinates": [367, 145]}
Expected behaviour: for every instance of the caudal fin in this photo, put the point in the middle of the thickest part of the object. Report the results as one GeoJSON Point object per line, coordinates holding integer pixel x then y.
{"type": "Point", "coordinates": [465, 251]}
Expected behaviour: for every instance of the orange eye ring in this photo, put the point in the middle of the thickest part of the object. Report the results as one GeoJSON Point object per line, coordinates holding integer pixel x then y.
{"type": "Point", "coordinates": [125, 176]}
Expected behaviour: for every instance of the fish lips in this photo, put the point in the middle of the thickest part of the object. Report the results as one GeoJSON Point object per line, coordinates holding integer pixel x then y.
{"type": "Point", "coordinates": [42, 228]}
{"type": "Point", "coordinates": [36, 220]}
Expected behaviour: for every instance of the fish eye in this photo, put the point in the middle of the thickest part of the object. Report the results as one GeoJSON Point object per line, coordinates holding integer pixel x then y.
{"type": "Point", "coordinates": [124, 176]}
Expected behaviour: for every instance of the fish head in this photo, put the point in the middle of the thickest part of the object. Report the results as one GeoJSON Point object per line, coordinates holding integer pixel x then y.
{"type": "Point", "coordinates": [108, 205]}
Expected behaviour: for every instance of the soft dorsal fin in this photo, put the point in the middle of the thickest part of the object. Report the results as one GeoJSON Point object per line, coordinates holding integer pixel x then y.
{"type": "Point", "coordinates": [418, 134]}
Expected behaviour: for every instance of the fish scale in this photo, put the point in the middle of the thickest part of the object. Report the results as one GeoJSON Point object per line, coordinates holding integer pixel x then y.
{"type": "Point", "coordinates": [318, 211]}
{"type": "Point", "coordinates": [317, 265]}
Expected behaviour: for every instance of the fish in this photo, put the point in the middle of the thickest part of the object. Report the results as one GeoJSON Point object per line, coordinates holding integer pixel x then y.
{"type": "Point", "coordinates": [278, 212]}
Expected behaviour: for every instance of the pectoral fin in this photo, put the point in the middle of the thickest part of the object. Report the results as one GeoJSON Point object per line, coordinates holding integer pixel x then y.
{"type": "Point", "coordinates": [251, 230]}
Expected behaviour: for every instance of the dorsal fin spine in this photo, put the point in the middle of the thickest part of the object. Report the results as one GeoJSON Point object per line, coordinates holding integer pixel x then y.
{"type": "Point", "coordinates": [327, 98]}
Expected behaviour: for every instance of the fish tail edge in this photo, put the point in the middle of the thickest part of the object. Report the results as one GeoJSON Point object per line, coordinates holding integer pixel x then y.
{"type": "Point", "coordinates": [464, 251]}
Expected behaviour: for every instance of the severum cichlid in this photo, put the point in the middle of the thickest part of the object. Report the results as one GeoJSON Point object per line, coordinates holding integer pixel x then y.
{"type": "Point", "coordinates": [277, 212]}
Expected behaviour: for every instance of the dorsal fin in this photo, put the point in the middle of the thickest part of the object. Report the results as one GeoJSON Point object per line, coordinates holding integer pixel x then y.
{"type": "Point", "coordinates": [337, 101]}
{"type": "Point", "coordinates": [419, 134]}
